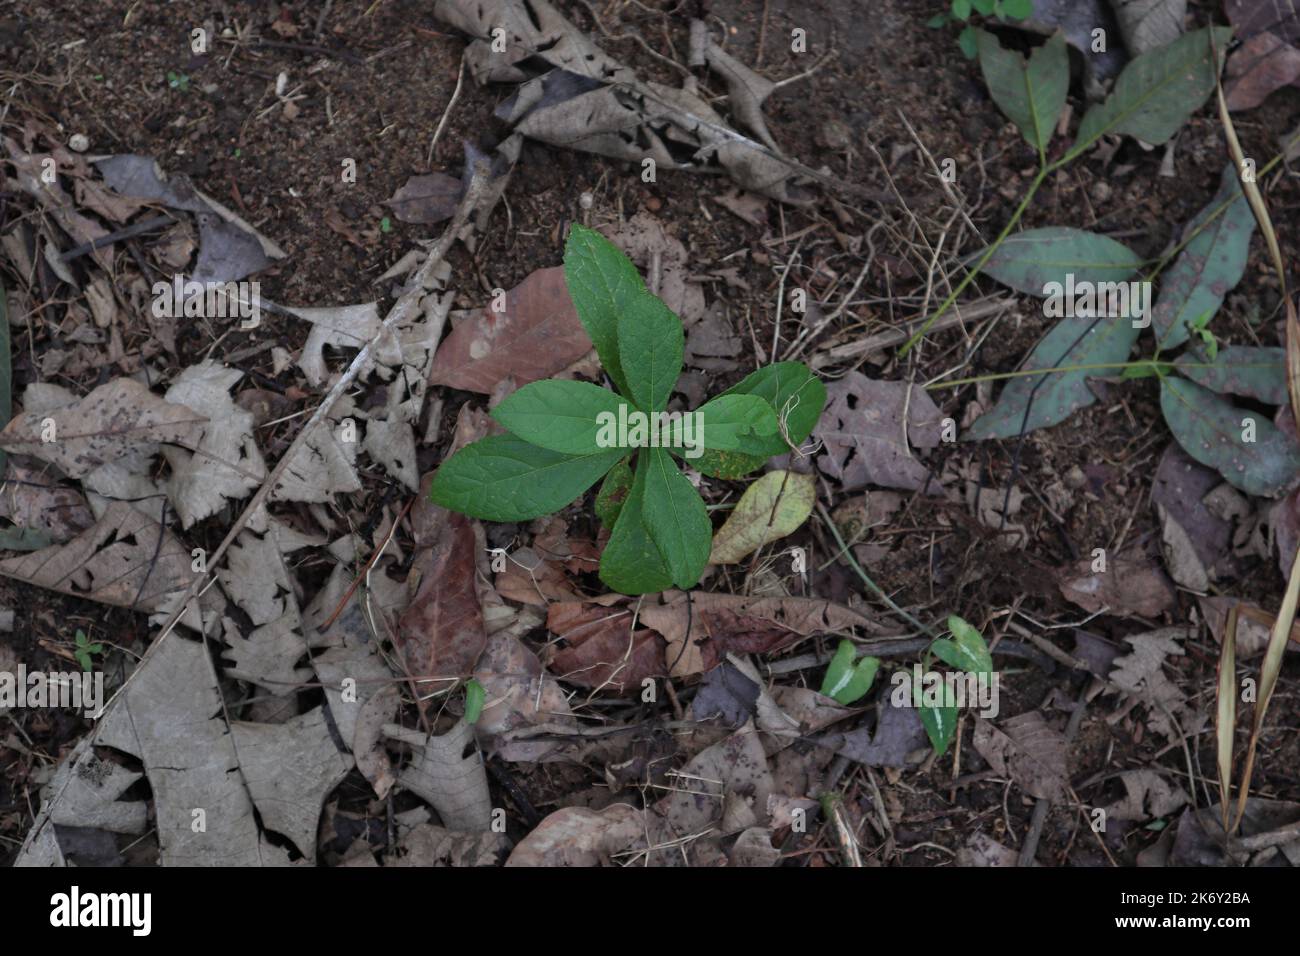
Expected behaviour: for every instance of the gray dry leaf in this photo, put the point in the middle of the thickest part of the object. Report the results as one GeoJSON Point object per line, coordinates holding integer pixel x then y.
{"type": "Point", "coordinates": [323, 467]}
{"type": "Point", "coordinates": [1147, 796]}
{"type": "Point", "coordinates": [1029, 751]}
{"type": "Point", "coordinates": [427, 845]}
{"type": "Point", "coordinates": [118, 418]}
{"type": "Point", "coordinates": [342, 326]}
{"type": "Point", "coordinates": [982, 850]}
{"type": "Point", "coordinates": [899, 732]}
{"type": "Point", "coordinates": [576, 836]}
{"type": "Point", "coordinates": [32, 497]}
{"type": "Point", "coordinates": [1128, 586]}
{"type": "Point", "coordinates": [226, 463]}
{"type": "Point", "coordinates": [1148, 24]}
{"type": "Point", "coordinates": [439, 773]}
{"type": "Point", "coordinates": [865, 438]}
{"type": "Point", "coordinates": [1141, 674]}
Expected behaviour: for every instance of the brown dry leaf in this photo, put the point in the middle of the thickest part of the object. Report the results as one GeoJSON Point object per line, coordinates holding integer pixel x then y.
{"type": "Point", "coordinates": [576, 836]}
{"type": "Point", "coordinates": [1128, 587]}
{"type": "Point", "coordinates": [722, 623]}
{"type": "Point", "coordinates": [1269, 56]}
{"type": "Point", "coordinates": [427, 845]}
{"type": "Point", "coordinates": [983, 851]}
{"type": "Point", "coordinates": [602, 650]}
{"type": "Point", "coordinates": [31, 497]}
{"type": "Point", "coordinates": [1254, 625]}
{"type": "Point", "coordinates": [1141, 675]}
{"type": "Point", "coordinates": [536, 335]}
{"type": "Point", "coordinates": [116, 419]}
{"type": "Point", "coordinates": [1178, 491]}
{"type": "Point", "coordinates": [863, 431]}
{"type": "Point", "coordinates": [440, 773]}
{"type": "Point", "coordinates": [58, 204]}
{"type": "Point", "coordinates": [427, 199]}
{"type": "Point", "coordinates": [1029, 751]}
{"type": "Point", "coordinates": [662, 258]}
{"type": "Point", "coordinates": [1147, 795]}
{"type": "Point", "coordinates": [441, 632]}
{"type": "Point", "coordinates": [529, 579]}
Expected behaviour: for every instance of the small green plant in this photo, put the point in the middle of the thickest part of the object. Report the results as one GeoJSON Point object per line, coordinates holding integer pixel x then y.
{"type": "Point", "coordinates": [475, 696]}
{"type": "Point", "coordinates": [964, 650]}
{"type": "Point", "coordinates": [960, 12]}
{"type": "Point", "coordinates": [564, 435]}
{"type": "Point", "coordinates": [846, 681]}
{"type": "Point", "coordinates": [85, 651]}
{"type": "Point", "coordinates": [178, 81]}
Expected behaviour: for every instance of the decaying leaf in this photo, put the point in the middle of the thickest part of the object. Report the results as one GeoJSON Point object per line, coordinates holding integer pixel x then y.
{"type": "Point", "coordinates": [1141, 674]}
{"type": "Point", "coordinates": [771, 508]}
{"type": "Point", "coordinates": [453, 784]}
{"type": "Point", "coordinates": [1029, 751]}
{"type": "Point", "coordinates": [867, 428]}
{"type": "Point", "coordinates": [1269, 56]}
{"type": "Point", "coordinates": [576, 836]}
{"type": "Point", "coordinates": [1127, 586]}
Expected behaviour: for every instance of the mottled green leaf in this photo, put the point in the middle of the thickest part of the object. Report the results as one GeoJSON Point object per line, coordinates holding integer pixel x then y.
{"type": "Point", "coordinates": [937, 707]}
{"type": "Point", "coordinates": [1031, 260]}
{"type": "Point", "coordinates": [613, 492]}
{"type": "Point", "coordinates": [1030, 94]}
{"type": "Point", "coordinates": [1248, 370]}
{"type": "Point", "coordinates": [966, 650]}
{"type": "Point", "coordinates": [1209, 266]}
{"type": "Point", "coordinates": [845, 681]}
{"type": "Point", "coordinates": [1215, 432]}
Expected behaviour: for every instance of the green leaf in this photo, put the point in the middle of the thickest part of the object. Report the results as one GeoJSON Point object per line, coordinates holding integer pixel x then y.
{"type": "Point", "coordinates": [1017, 9]}
{"type": "Point", "coordinates": [737, 423]}
{"type": "Point", "coordinates": [1213, 431]}
{"type": "Point", "coordinates": [846, 682]}
{"type": "Point", "coordinates": [1031, 260]}
{"type": "Point", "coordinates": [602, 282]}
{"type": "Point", "coordinates": [937, 21]}
{"type": "Point", "coordinates": [774, 506]}
{"type": "Point", "coordinates": [969, 45]}
{"type": "Point", "coordinates": [1248, 370]}
{"type": "Point", "coordinates": [650, 332]}
{"type": "Point", "coordinates": [475, 695]}
{"type": "Point", "coordinates": [1209, 266]}
{"type": "Point", "coordinates": [1068, 344]}
{"type": "Point", "coordinates": [1157, 92]}
{"type": "Point", "coordinates": [15, 538]}
{"type": "Point", "coordinates": [631, 563]}
{"type": "Point", "coordinates": [676, 517]}
{"type": "Point", "coordinates": [966, 651]}
{"type": "Point", "coordinates": [795, 394]}
{"type": "Point", "coordinates": [613, 492]}
{"type": "Point", "coordinates": [504, 478]}
{"type": "Point", "coordinates": [961, 9]}
{"type": "Point", "coordinates": [984, 7]}
{"type": "Point", "coordinates": [562, 416]}
{"type": "Point", "coordinates": [937, 708]}
{"type": "Point", "coordinates": [1031, 95]}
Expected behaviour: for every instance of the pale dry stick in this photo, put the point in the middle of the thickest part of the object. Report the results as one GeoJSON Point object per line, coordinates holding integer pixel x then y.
{"type": "Point", "coordinates": [401, 311]}
{"type": "Point", "coordinates": [884, 340]}
{"type": "Point", "coordinates": [455, 94]}
{"type": "Point", "coordinates": [947, 186]}
{"type": "Point", "coordinates": [780, 297]}
{"type": "Point", "coordinates": [802, 340]}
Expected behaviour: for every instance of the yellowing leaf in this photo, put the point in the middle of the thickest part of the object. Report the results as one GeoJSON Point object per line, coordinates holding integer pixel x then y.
{"type": "Point", "coordinates": [771, 508]}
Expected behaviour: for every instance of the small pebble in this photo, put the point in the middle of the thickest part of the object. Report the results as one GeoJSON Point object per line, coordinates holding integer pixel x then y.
{"type": "Point", "coordinates": [654, 203]}
{"type": "Point", "coordinates": [79, 142]}
{"type": "Point", "coordinates": [586, 200]}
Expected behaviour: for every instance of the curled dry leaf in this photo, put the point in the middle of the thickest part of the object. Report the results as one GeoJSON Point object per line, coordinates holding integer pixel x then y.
{"type": "Point", "coordinates": [1128, 586]}
{"type": "Point", "coordinates": [576, 836]}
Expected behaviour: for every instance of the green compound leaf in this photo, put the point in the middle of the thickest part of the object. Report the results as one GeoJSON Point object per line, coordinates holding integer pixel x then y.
{"type": "Point", "coordinates": [1215, 432]}
{"type": "Point", "coordinates": [1208, 268]}
{"type": "Point", "coordinates": [737, 423]}
{"type": "Point", "coordinates": [613, 492]}
{"type": "Point", "coordinates": [846, 682]}
{"type": "Point", "coordinates": [795, 394]}
{"type": "Point", "coordinates": [676, 517]}
{"type": "Point", "coordinates": [504, 478]}
{"type": "Point", "coordinates": [561, 416]}
{"type": "Point", "coordinates": [1157, 92]}
{"type": "Point", "coordinates": [1108, 341]}
{"type": "Point", "coordinates": [1031, 94]}
{"type": "Point", "coordinates": [602, 282]}
{"type": "Point", "coordinates": [1247, 370]}
{"type": "Point", "coordinates": [966, 651]}
{"type": "Point", "coordinates": [1031, 260]}
{"type": "Point", "coordinates": [651, 336]}
{"type": "Point", "coordinates": [631, 563]}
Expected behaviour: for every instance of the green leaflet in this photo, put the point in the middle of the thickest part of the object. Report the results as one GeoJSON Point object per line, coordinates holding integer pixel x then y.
{"type": "Point", "coordinates": [613, 492]}
{"type": "Point", "coordinates": [651, 335]}
{"type": "Point", "coordinates": [601, 282]}
{"type": "Point", "coordinates": [1031, 94]}
{"type": "Point", "coordinates": [1157, 92]}
{"type": "Point", "coordinates": [475, 695]}
{"type": "Point", "coordinates": [631, 563]}
{"type": "Point", "coordinates": [737, 423]}
{"type": "Point", "coordinates": [561, 416]}
{"type": "Point", "coordinates": [1214, 432]}
{"type": "Point", "coordinates": [675, 516]}
{"type": "Point", "coordinates": [1062, 393]}
{"type": "Point", "coordinates": [1208, 268]}
{"type": "Point", "coordinates": [503, 478]}
{"type": "Point", "coordinates": [846, 682]}
{"type": "Point", "coordinates": [1031, 260]}
{"type": "Point", "coordinates": [966, 651]}
{"type": "Point", "coordinates": [795, 394]}
{"type": "Point", "coordinates": [1252, 371]}
{"type": "Point", "coordinates": [937, 707]}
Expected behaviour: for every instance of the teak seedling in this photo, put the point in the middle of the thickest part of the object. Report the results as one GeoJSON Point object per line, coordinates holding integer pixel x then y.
{"type": "Point", "coordinates": [566, 435]}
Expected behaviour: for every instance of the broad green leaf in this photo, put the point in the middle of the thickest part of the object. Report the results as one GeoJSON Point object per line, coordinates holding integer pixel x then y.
{"type": "Point", "coordinates": [475, 695]}
{"type": "Point", "coordinates": [961, 9]}
{"type": "Point", "coordinates": [937, 707]}
{"type": "Point", "coordinates": [1030, 94]}
{"type": "Point", "coordinates": [1209, 266]}
{"type": "Point", "coordinates": [675, 516]}
{"type": "Point", "coordinates": [1031, 261]}
{"type": "Point", "coordinates": [984, 7]}
{"type": "Point", "coordinates": [846, 682]}
{"type": "Point", "coordinates": [651, 337]}
{"type": "Point", "coordinates": [613, 492]}
{"type": "Point", "coordinates": [967, 42]}
{"type": "Point", "coordinates": [1248, 370]}
{"type": "Point", "coordinates": [771, 508]}
{"type": "Point", "coordinates": [966, 651]}
{"type": "Point", "coordinates": [602, 282]}
{"type": "Point", "coordinates": [631, 562]}
{"type": "Point", "coordinates": [737, 423]}
{"type": "Point", "coordinates": [562, 416]}
{"type": "Point", "coordinates": [1017, 9]}
{"type": "Point", "coordinates": [1157, 92]}
{"type": "Point", "coordinates": [1216, 433]}
{"type": "Point", "coordinates": [504, 478]}
{"type": "Point", "coordinates": [795, 394]}
{"type": "Point", "coordinates": [1072, 342]}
